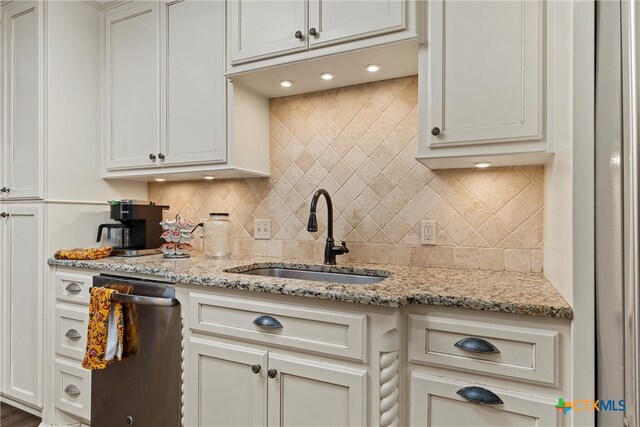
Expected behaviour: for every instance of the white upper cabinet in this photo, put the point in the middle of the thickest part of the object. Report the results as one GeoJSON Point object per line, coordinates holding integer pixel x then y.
{"type": "Point", "coordinates": [262, 29]}
{"type": "Point", "coordinates": [133, 81]}
{"type": "Point", "coordinates": [333, 22]}
{"type": "Point", "coordinates": [482, 82]}
{"type": "Point", "coordinates": [194, 104]}
{"type": "Point", "coordinates": [267, 33]}
{"type": "Point", "coordinates": [22, 136]}
{"type": "Point", "coordinates": [170, 109]}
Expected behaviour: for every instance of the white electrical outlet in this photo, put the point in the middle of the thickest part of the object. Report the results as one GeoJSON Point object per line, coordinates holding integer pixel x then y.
{"type": "Point", "coordinates": [262, 229]}
{"type": "Point", "coordinates": [428, 233]}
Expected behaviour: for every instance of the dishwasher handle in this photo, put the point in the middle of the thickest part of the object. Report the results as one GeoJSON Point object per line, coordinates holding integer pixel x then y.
{"type": "Point", "coordinates": [142, 300]}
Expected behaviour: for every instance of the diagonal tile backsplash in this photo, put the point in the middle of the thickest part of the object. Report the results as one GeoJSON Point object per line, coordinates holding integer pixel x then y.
{"type": "Point", "coordinates": [359, 143]}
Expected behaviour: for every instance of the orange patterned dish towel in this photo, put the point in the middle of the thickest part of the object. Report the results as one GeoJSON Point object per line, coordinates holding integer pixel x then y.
{"type": "Point", "coordinates": [105, 331]}
{"type": "Point", "coordinates": [83, 253]}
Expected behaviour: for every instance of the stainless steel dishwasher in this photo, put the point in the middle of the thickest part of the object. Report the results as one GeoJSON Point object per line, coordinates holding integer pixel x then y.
{"type": "Point", "coordinates": [143, 389]}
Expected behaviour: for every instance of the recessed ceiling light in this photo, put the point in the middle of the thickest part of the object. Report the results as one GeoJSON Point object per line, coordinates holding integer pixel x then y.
{"type": "Point", "coordinates": [160, 179]}
{"type": "Point", "coordinates": [209, 177]}
{"type": "Point", "coordinates": [482, 164]}
{"type": "Point", "coordinates": [286, 83]}
{"type": "Point", "coordinates": [372, 68]}
{"type": "Point", "coordinates": [326, 76]}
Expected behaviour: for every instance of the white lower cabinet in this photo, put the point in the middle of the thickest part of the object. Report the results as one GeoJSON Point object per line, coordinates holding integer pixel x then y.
{"type": "Point", "coordinates": [224, 388]}
{"type": "Point", "coordinates": [269, 361]}
{"type": "Point", "coordinates": [21, 279]}
{"type": "Point", "coordinates": [437, 401]}
{"type": "Point", "coordinates": [253, 359]}
{"type": "Point", "coordinates": [307, 392]}
{"type": "Point", "coordinates": [70, 383]}
{"type": "Point", "coordinates": [234, 385]}
{"type": "Point", "coordinates": [72, 388]}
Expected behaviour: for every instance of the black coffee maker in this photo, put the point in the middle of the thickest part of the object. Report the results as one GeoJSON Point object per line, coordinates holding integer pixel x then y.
{"type": "Point", "coordinates": [138, 231]}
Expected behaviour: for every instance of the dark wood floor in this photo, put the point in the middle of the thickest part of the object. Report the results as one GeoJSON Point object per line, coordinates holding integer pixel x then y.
{"type": "Point", "coordinates": [14, 417]}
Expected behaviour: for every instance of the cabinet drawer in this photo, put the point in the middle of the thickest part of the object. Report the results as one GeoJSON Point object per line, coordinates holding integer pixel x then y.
{"type": "Point", "coordinates": [71, 331]}
{"type": "Point", "coordinates": [72, 392]}
{"type": "Point", "coordinates": [492, 349]}
{"type": "Point", "coordinates": [306, 329]}
{"type": "Point", "coordinates": [437, 401]}
{"type": "Point", "coordinates": [73, 287]}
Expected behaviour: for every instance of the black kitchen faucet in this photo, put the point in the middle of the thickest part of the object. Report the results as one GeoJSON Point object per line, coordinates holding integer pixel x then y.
{"type": "Point", "coordinates": [330, 250]}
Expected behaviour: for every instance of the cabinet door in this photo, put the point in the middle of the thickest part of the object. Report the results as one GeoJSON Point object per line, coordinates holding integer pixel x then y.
{"type": "Point", "coordinates": [263, 29]}
{"type": "Point", "coordinates": [334, 20]}
{"type": "Point", "coordinates": [434, 401]}
{"type": "Point", "coordinates": [484, 71]}
{"type": "Point", "coordinates": [193, 80]}
{"type": "Point", "coordinates": [223, 389]}
{"type": "Point", "coordinates": [305, 393]}
{"type": "Point", "coordinates": [133, 86]}
{"type": "Point", "coordinates": [22, 306]}
{"type": "Point", "coordinates": [22, 135]}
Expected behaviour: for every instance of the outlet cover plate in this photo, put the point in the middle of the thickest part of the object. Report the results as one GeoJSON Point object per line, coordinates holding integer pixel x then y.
{"type": "Point", "coordinates": [428, 233]}
{"type": "Point", "coordinates": [262, 229]}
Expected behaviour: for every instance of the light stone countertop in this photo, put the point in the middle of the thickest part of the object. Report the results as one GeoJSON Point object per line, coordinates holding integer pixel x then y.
{"type": "Point", "coordinates": [503, 291]}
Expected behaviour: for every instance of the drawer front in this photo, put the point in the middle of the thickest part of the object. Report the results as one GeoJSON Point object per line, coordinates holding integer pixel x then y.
{"type": "Point", "coordinates": [73, 287]}
{"type": "Point", "coordinates": [438, 402]}
{"type": "Point", "coordinates": [306, 329]}
{"type": "Point", "coordinates": [71, 331]}
{"type": "Point", "coordinates": [72, 388]}
{"type": "Point", "coordinates": [492, 349]}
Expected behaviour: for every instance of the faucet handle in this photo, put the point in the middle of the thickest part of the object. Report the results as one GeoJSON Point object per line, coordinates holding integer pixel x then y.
{"type": "Point", "coordinates": [344, 245]}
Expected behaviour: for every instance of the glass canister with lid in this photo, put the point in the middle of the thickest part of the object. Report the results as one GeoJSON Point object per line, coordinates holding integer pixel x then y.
{"type": "Point", "coordinates": [218, 235]}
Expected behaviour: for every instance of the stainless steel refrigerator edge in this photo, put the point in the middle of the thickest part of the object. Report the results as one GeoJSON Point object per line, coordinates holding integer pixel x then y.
{"type": "Point", "coordinates": [616, 192]}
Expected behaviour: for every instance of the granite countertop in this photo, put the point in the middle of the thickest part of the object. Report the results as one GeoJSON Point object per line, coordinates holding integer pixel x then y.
{"type": "Point", "coordinates": [509, 292]}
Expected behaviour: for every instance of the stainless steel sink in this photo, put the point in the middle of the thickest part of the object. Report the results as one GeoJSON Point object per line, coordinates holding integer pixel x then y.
{"type": "Point", "coordinates": [321, 276]}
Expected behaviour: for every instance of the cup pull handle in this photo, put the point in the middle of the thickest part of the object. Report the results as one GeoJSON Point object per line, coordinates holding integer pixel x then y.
{"type": "Point", "coordinates": [480, 395]}
{"type": "Point", "coordinates": [267, 322]}
{"type": "Point", "coordinates": [72, 390]}
{"type": "Point", "coordinates": [476, 345]}
{"type": "Point", "coordinates": [73, 287]}
{"type": "Point", "coordinates": [73, 334]}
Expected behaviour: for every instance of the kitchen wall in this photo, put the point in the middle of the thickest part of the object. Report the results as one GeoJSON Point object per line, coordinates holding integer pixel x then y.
{"type": "Point", "coordinates": [359, 143]}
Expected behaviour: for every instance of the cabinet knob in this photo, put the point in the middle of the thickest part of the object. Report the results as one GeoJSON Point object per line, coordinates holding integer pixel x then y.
{"type": "Point", "coordinates": [72, 390]}
{"type": "Point", "coordinates": [435, 131]}
{"type": "Point", "coordinates": [313, 32]}
{"type": "Point", "coordinates": [299, 35]}
{"type": "Point", "coordinates": [256, 369]}
{"type": "Point", "coordinates": [152, 156]}
{"type": "Point", "coordinates": [271, 373]}
{"type": "Point", "coordinates": [4, 215]}
{"type": "Point", "coordinates": [161, 156]}
{"type": "Point", "coordinates": [4, 190]}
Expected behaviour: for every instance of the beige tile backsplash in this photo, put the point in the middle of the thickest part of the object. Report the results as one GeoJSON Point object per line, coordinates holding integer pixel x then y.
{"type": "Point", "coordinates": [359, 143]}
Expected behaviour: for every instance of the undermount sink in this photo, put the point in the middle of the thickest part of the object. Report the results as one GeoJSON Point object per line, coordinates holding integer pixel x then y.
{"type": "Point", "coordinates": [321, 276]}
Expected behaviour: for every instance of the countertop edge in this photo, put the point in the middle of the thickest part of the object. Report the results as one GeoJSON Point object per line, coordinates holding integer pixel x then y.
{"type": "Point", "coordinates": [565, 313]}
